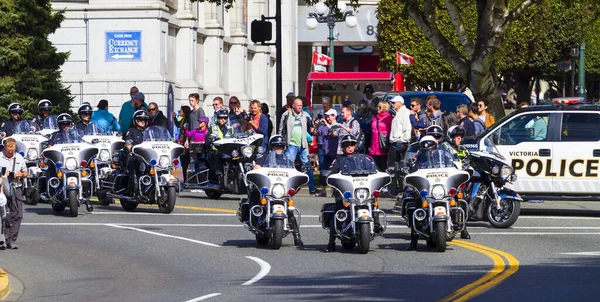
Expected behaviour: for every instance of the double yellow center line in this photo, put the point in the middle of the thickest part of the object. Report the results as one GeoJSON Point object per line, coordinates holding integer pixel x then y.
{"type": "Point", "coordinates": [504, 266]}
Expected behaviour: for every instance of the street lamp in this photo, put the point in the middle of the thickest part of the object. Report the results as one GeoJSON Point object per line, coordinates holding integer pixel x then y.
{"type": "Point", "coordinates": [325, 14]}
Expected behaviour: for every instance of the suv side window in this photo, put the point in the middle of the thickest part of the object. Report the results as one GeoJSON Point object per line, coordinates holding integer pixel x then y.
{"type": "Point", "coordinates": [580, 127]}
{"type": "Point", "coordinates": [525, 128]}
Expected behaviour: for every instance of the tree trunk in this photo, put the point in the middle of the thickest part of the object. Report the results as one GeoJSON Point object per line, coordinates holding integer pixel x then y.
{"type": "Point", "coordinates": [485, 86]}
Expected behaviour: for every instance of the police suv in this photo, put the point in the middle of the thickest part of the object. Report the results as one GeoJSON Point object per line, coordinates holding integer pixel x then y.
{"type": "Point", "coordinates": [553, 149]}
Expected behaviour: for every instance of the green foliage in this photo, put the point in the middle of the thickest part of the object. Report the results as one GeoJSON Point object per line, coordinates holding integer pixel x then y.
{"type": "Point", "coordinates": [29, 63]}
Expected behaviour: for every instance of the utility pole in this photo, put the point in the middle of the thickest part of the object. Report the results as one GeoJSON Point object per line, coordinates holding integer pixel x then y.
{"type": "Point", "coordinates": [581, 92]}
{"type": "Point", "coordinates": [278, 68]}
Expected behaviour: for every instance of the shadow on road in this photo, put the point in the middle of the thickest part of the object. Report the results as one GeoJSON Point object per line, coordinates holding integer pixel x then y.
{"type": "Point", "coordinates": [560, 212]}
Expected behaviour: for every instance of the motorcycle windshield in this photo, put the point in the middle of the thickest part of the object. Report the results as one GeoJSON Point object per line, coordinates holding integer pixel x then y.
{"type": "Point", "coordinates": [157, 134]}
{"type": "Point", "coordinates": [237, 132]}
{"type": "Point", "coordinates": [92, 129]}
{"type": "Point", "coordinates": [274, 160]}
{"type": "Point", "coordinates": [50, 123]}
{"type": "Point", "coordinates": [70, 136]}
{"type": "Point", "coordinates": [433, 159]}
{"type": "Point", "coordinates": [357, 164]}
{"type": "Point", "coordinates": [24, 127]}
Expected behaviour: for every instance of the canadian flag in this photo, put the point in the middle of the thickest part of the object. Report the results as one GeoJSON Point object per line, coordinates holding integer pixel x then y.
{"type": "Point", "coordinates": [402, 59]}
{"type": "Point", "coordinates": [321, 59]}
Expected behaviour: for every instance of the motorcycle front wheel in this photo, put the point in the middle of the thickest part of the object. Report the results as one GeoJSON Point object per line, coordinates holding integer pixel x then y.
{"type": "Point", "coordinates": [440, 236]}
{"type": "Point", "coordinates": [348, 244]}
{"type": "Point", "coordinates": [167, 205]}
{"type": "Point", "coordinates": [364, 238]}
{"type": "Point", "coordinates": [105, 201]}
{"type": "Point", "coordinates": [277, 233]}
{"type": "Point", "coordinates": [58, 207]}
{"type": "Point", "coordinates": [506, 217]}
{"type": "Point", "coordinates": [73, 203]}
{"type": "Point", "coordinates": [128, 205]}
{"type": "Point", "coordinates": [262, 239]}
{"type": "Point", "coordinates": [213, 194]}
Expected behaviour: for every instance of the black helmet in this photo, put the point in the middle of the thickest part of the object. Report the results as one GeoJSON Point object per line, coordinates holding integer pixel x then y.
{"type": "Point", "coordinates": [15, 108]}
{"type": "Point", "coordinates": [63, 118]}
{"type": "Point", "coordinates": [427, 142]}
{"type": "Point", "coordinates": [85, 109]}
{"type": "Point", "coordinates": [348, 139]}
{"type": "Point", "coordinates": [435, 131]}
{"type": "Point", "coordinates": [140, 115]}
{"type": "Point", "coordinates": [45, 104]}
{"type": "Point", "coordinates": [277, 140]}
{"type": "Point", "coordinates": [456, 131]}
{"type": "Point", "coordinates": [222, 113]}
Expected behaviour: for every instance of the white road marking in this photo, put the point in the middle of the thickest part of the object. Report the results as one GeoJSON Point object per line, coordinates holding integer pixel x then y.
{"type": "Point", "coordinates": [583, 254]}
{"type": "Point", "coordinates": [531, 233]}
{"type": "Point", "coordinates": [165, 224]}
{"type": "Point", "coordinates": [163, 235]}
{"type": "Point", "coordinates": [204, 297]}
{"type": "Point", "coordinates": [161, 214]}
{"type": "Point", "coordinates": [559, 217]}
{"type": "Point", "coordinates": [265, 268]}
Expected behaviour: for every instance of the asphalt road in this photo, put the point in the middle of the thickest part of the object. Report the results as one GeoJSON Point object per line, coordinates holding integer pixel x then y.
{"type": "Point", "coordinates": [201, 252]}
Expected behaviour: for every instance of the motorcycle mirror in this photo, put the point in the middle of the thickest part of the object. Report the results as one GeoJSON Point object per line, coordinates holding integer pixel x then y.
{"type": "Point", "coordinates": [213, 137]}
{"type": "Point", "coordinates": [390, 170]}
{"type": "Point", "coordinates": [44, 145]}
{"type": "Point", "coordinates": [305, 169]}
{"type": "Point", "coordinates": [95, 141]}
{"type": "Point", "coordinates": [326, 173]}
{"type": "Point", "coordinates": [405, 171]}
{"type": "Point", "coordinates": [118, 133]}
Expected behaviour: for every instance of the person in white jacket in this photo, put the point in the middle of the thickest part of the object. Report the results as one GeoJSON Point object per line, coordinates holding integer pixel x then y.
{"type": "Point", "coordinates": [401, 131]}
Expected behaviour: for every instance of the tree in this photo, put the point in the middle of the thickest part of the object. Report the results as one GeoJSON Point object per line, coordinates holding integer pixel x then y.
{"type": "Point", "coordinates": [29, 63]}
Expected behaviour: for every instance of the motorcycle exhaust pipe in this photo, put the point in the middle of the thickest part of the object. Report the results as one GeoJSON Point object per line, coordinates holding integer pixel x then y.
{"type": "Point", "coordinates": [54, 182]}
{"type": "Point", "coordinates": [341, 216]}
{"type": "Point", "coordinates": [420, 214]}
{"type": "Point", "coordinates": [257, 211]}
{"type": "Point", "coordinates": [146, 180]}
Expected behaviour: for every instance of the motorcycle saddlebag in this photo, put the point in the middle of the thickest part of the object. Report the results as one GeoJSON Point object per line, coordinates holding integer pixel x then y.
{"type": "Point", "coordinates": [327, 211]}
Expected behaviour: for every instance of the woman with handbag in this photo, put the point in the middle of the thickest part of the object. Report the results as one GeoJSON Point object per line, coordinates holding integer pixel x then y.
{"type": "Point", "coordinates": [381, 127]}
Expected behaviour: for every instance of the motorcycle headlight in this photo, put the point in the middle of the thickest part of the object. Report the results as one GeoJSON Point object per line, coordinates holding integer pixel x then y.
{"type": "Point", "coordinates": [495, 170]}
{"type": "Point", "coordinates": [361, 194]}
{"type": "Point", "coordinates": [32, 153]}
{"type": "Point", "coordinates": [164, 161]}
{"type": "Point", "coordinates": [278, 190]}
{"type": "Point", "coordinates": [248, 151]}
{"type": "Point", "coordinates": [506, 172]}
{"type": "Point", "coordinates": [235, 153]}
{"type": "Point", "coordinates": [71, 163]}
{"type": "Point", "coordinates": [104, 155]}
{"type": "Point", "coordinates": [438, 192]}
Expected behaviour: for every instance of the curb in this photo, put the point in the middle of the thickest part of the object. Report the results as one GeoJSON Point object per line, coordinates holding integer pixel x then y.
{"type": "Point", "coordinates": [4, 285]}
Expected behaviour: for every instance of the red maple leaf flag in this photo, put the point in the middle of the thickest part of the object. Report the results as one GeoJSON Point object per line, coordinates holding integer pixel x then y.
{"type": "Point", "coordinates": [404, 59]}
{"type": "Point", "coordinates": [321, 59]}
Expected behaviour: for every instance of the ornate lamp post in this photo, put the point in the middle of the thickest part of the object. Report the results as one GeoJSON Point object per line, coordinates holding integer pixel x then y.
{"type": "Point", "coordinates": [325, 14]}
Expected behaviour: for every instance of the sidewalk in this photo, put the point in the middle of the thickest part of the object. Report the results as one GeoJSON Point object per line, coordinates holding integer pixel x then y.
{"type": "Point", "coordinates": [4, 285]}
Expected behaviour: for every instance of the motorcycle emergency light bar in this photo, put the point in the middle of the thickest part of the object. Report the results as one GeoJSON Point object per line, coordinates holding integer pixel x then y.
{"type": "Point", "coordinates": [264, 190]}
{"type": "Point", "coordinates": [347, 195]}
{"type": "Point", "coordinates": [423, 193]}
{"type": "Point", "coordinates": [452, 191]}
{"type": "Point", "coordinates": [22, 153]}
{"type": "Point", "coordinates": [58, 165]}
{"type": "Point", "coordinates": [376, 194]}
{"type": "Point", "coordinates": [462, 185]}
{"type": "Point", "coordinates": [291, 192]}
{"type": "Point", "coordinates": [153, 162]}
{"type": "Point", "coordinates": [175, 162]}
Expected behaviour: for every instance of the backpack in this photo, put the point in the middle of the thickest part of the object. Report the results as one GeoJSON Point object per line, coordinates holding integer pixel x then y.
{"type": "Point", "coordinates": [480, 122]}
{"type": "Point", "coordinates": [360, 146]}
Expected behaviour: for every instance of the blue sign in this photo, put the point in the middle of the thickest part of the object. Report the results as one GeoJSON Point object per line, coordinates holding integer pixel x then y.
{"type": "Point", "coordinates": [123, 46]}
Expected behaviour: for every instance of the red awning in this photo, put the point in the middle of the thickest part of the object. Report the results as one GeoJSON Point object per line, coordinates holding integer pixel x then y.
{"type": "Point", "coordinates": [351, 76]}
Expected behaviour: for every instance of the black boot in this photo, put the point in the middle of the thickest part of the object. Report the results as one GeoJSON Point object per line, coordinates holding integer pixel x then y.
{"type": "Point", "coordinates": [297, 239]}
{"type": "Point", "coordinates": [464, 234]}
{"type": "Point", "coordinates": [414, 238]}
{"type": "Point", "coordinates": [331, 245]}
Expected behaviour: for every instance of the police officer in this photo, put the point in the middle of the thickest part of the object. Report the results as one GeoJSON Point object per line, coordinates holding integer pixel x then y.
{"type": "Point", "coordinates": [85, 114]}
{"type": "Point", "coordinates": [347, 161]}
{"type": "Point", "coordinates": [44, 109]}
{"type": "Point", "coordinates": [437, 132]}
{"type": "Point", "coordinates": [135, 136]}
{"type": "Point", "coordinates": [14, 171]}
{"type": "Point", "coordinates": [15, 110]}
{"type": "Point", "coordinates": [64, 122]}
{"type": "Point", "coordinates": [456, 134]}
{"type": "Point", "coordinates": [217, 131]}
{"type": "Point", "coordinates": [276, 158]}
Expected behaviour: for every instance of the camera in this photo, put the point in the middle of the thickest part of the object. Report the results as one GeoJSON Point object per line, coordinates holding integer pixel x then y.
{"type": "Point", "coordinates": [11, 175]}
{"type": "Point", "coordinates": [249, 117]}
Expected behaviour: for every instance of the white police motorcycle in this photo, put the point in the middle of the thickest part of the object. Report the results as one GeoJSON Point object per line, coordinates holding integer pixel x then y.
{"type": "Point", "coordinates": [107, 145]}
{"type": "Point", "coordinates": [355, 223]}
{"type": "Point", "coordinates": [29, 145]}
{"type": "Point", "coordinates": [68, 172]}
{"type": "Point", "coordinates": [270, 217]}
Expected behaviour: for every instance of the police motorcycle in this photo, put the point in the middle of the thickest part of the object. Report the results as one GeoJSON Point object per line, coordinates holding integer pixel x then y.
{"type": "Point", "coordinates": [360, 189]}
{"type": "Point", "coordinates": [156, 184]}
{"type": "Point", "coordinates": [107, 145]}
{"type": "Point", "coordinates": [238, 151]}
{"type": "Point", "coordinates": [429, 203]}
{"type": "Point", "coordinates": [269, 217]}
{"type": "Point", "coordinates": [488, 197]}
{"type": "Point", "coordinates": [68, 172]}
{"type": "Point", "coordinates": [29, 145]}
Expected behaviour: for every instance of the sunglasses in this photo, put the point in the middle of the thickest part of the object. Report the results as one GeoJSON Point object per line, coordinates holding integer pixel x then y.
{"type": "Point", "coordinates": [480, 105]}
{"type": "Point", "coordinates": [215, 104]}
{"type": "Point", "coordinates": [152, 109]}
{"type": "Point", "coordinates": [222, 118]}
{"type": "Point", "coordinates": [233, 103]}
{"type": "Point", "coordinates": [413, 105]}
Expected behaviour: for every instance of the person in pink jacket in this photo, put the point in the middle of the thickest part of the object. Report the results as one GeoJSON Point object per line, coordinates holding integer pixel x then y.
{"type": "Point", "coordinates": [199, 135]}
{"type": "Point", "coordinates": [381, 124]}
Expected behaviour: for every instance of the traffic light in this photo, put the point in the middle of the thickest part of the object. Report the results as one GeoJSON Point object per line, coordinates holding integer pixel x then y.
{"type": "Point", "coordinates": [261, 31]}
